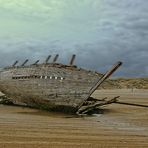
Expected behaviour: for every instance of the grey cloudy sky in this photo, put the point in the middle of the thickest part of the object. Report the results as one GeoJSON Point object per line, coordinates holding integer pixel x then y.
{"type": "Point", "coordinates": [100, 32]}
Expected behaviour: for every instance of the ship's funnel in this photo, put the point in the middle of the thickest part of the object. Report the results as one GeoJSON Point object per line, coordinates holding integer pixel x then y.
{"type": "Point", "coordinates": [47, 59]}
{"type": "Point", "coordinates": [72, 59]}
{"type": "Point", "coordinates": [14, 63]}
{"type": "Point", "coordinates": [55, 58]}
{"type": "Point", "coordinates": [25, 62]}
{"type": "Point", "coordinates": [36, 62]}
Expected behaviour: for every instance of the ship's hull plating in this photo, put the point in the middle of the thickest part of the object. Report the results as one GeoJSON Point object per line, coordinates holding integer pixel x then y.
{"type": "Point", "coordinates": [52, 87]}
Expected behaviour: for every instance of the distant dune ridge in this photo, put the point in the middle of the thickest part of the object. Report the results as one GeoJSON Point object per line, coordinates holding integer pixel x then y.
{"type": "Point", "coordinates": [123, 83]}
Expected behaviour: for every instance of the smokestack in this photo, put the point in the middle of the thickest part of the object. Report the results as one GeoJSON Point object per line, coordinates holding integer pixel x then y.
{"type": "Point", "coordinates": [25, 62]}
{"type": "Point", "coordinates": [55, 58]}
{"type": "Point", "coordinates": [14, 63]}
{"type": "Point", "coordinates": [36, 62]}
{"type": "Point", "coordinates": [47, 59]}
{"type": "Point", "coordinates": [72, 59]}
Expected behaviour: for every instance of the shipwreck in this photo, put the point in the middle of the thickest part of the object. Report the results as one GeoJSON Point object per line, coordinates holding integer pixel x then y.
{"type": "Point", "coordinates": [53, 86]}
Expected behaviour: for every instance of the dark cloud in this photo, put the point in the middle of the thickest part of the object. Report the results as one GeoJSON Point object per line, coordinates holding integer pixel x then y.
{"type": "Point", "coordinates": [99, 33]}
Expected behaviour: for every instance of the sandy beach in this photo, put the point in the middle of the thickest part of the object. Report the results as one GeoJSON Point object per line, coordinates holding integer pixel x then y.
{"type": "Point", "coordinates": [117, 126]}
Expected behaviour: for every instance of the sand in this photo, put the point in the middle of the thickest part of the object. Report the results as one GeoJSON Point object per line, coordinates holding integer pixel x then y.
{"type": "Point", "coordinates": [118, 126]}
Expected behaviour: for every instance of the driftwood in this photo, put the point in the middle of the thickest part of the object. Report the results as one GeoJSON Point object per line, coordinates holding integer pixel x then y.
{"type": "Point", "coordinates": [93, 104]}
{"type": "Point", "coordinates": [132, 104]}
{"type": "Point", "coordinates": [87, 108]}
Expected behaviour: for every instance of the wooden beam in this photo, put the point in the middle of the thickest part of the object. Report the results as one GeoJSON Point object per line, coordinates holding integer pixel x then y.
{"type": "Point", "coordinates": [14, 64]}
{"type": "Point", "coordinates": [47, 59]}
{"type": "Point", "coordinates": [72, 59]}
{"type": "Point", "coordinates": [131, 104]}
{"type": "Point", "coordinates": [101, 80]}
{"type": "Point", "coordinates": [55, 58]}
{"type": "Point", "coordinates": [25, 62]}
